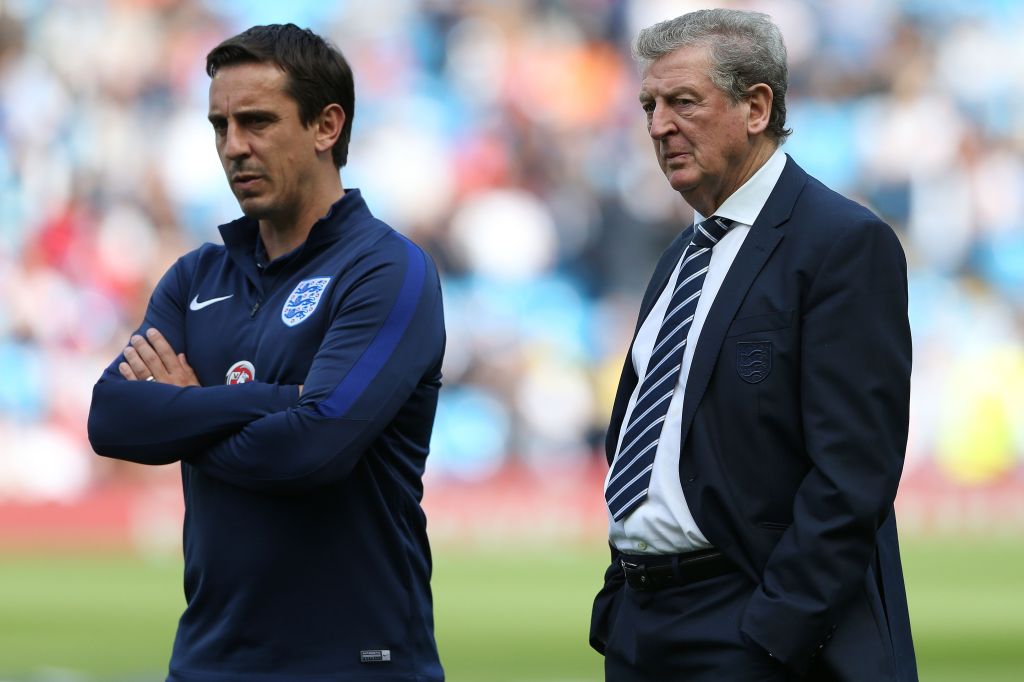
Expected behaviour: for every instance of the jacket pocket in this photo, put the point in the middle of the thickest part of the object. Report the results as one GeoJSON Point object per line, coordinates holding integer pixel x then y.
{"type": "Point", "coordinates": [760, 323]}
{"type": "Point", "coordinates": [774, 525]}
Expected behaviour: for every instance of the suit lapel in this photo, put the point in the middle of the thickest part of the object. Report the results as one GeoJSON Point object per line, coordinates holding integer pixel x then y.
{"type": "Point", "coordinates": [628, 378]}
{"type": "Point", "coordinates": [662, 273]}
{"type": "Point", "coordinates": [762, 239]}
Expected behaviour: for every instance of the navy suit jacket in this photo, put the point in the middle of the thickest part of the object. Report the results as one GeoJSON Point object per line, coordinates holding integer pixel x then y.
{"type": "Point", "coordinates": [794, 430]}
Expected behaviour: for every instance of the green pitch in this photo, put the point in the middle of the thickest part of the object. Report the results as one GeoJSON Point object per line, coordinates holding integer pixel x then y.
{"type": "Point", "coordinates": [502, 616]}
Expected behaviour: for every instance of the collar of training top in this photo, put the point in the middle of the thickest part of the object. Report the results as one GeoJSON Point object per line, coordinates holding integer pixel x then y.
{"type": "Point", "coordinates": [240, 235]}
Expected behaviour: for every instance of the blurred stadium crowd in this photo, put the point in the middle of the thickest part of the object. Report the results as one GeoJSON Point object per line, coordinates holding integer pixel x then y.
{"type": "Point", "coordinates": [505, 137]}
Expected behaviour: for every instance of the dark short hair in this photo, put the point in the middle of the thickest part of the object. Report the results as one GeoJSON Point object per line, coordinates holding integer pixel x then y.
{"type": "Point", "coordinates": [317, 72]}
{"type": "Point", "coordinates": [745, 48]}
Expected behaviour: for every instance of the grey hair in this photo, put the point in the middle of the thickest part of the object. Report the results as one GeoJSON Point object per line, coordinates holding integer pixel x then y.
{"type": "Point", "coordinates": [745, 48]}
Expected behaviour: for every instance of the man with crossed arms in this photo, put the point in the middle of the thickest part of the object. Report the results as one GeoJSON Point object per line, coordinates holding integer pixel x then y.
{"type": "Point", "coordinates": [294, 373]}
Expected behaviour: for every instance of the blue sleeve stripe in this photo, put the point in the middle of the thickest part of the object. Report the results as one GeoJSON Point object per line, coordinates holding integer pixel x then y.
{"type": "Point", "coordinates": [369, 364]}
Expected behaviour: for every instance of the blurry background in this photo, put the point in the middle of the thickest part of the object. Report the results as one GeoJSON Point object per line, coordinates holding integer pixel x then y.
{"type": "Point", "coordinates": [505, 137]}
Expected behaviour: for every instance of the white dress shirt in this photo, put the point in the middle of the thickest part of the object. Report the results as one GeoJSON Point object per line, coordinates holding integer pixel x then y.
{"type": "Point", "coordinates": [663, 523]}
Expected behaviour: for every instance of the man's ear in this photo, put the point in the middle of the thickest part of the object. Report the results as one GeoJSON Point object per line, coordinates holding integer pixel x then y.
{"type": "Point", "coordinates": [759, 100]}
{"type": "Point", "coordinates": [327, 127]}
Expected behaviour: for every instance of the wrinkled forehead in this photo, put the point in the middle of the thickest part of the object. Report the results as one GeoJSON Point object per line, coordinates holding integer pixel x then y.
{"type": "Point", "coordinates": [247, 83]}
{"type": "Point", "coordinates": [684, 67]}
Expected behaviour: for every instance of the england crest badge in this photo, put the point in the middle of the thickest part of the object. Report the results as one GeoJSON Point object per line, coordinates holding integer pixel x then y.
{"type": "Point", "coordinates": [303, 300]}
{"type": "Point", "coordinates": [753, 360]}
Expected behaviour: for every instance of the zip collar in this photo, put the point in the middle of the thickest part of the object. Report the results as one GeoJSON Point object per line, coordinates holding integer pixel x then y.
{"type": "Point", "coordinates": [245, 248]}
{"type": "Point", "coordinates": [242, 236]}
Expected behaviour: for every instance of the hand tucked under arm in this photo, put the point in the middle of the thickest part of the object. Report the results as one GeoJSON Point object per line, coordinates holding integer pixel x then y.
{"type": "Point", "coordinates": [381, 354]}
{"type": "Point", "coordinates": [151, 358]}
{"type": "Point", "coordinates": [172, 416]}
{"type": "Point", "coordinates": [164, 424]}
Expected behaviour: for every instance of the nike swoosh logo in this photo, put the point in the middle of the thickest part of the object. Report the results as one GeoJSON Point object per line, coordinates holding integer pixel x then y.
{"type": "Point", "coordinates": [196, 305]}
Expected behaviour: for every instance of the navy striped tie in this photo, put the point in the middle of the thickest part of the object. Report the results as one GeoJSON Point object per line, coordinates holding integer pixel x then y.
{"type": "Point", "coordinates": [631, 471]}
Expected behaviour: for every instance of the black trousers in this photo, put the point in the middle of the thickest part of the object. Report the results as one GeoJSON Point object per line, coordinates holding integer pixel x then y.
{"type": "Point", "coordinates": [687, 634]}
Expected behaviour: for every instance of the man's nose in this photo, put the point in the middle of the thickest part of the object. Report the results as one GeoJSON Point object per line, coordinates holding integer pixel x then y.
{"type": "Point", "coordinates": [661, 123]}
{"type": "Point", "coordinates": [236, 145]}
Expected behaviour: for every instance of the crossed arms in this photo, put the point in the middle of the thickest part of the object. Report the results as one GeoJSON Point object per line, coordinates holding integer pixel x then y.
{"type": "Point", "coordinates": [268, 436]}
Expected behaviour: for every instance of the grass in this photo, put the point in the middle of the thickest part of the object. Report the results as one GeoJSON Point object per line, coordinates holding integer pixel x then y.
{"type": "Point", "coordinates": [507, 615]}
{"type": "Point", "coordinates": [967, 608]}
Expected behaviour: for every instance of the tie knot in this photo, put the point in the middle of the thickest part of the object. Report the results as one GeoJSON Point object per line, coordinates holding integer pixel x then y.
{"type": "Point", "coordinates": [709, 232]}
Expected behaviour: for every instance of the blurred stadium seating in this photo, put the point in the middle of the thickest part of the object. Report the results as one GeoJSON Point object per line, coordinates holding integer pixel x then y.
{"type": "Point", "coordinates": [505, 138]}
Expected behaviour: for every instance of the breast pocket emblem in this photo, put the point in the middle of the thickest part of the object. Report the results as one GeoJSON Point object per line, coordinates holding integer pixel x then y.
{"type": "Point", "coordinates": [753, 360]}
{"type": "Point", "coordinates": [304, 299]}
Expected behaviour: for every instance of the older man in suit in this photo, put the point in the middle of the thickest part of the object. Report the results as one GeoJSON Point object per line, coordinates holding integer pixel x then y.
{"type": "Point", "coordinates": [758, 433]}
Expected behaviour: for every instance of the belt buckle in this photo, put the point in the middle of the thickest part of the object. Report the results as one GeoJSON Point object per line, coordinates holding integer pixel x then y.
{"type": "Point", "coordinates": [632, 569]}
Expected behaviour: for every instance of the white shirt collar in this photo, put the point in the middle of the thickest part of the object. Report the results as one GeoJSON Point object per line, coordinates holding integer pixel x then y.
{"type": "Point", "coordinates": [745, 204]}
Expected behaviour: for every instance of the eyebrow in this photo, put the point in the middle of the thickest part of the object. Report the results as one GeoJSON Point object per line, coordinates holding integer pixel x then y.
{"type": "Point", "coordinates": [243, 114]}
{"type": "Point", "coordinates": [646, 96]}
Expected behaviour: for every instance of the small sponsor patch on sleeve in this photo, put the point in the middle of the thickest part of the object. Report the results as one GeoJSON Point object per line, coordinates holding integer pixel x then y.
{"type": "Point", "coordinates": [375, 656]}
{"type": "Point", "coordinates": [240, 373]}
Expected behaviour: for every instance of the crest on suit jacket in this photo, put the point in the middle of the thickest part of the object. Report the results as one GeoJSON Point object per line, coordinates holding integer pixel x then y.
{"type": "Point", "coordinates": [753, 360]}
{"type": "Point", "coordinates": [303, 300]}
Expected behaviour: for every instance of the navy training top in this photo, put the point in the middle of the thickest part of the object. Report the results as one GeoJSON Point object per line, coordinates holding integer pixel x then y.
{"type": "Point", "coordinates": [306, 554]}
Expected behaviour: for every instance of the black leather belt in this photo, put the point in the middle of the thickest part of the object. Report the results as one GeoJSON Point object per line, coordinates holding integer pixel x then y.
{"type": "Point", "coordinates": [657, 571]}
